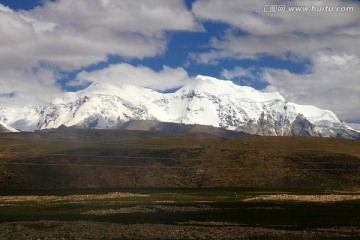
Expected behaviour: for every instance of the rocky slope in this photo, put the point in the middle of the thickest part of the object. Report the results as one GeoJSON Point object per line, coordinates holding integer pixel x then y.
{"type": "Point", "coordinates": [4, 128]}
{"type": "Point", "coordinates": [175, 129]}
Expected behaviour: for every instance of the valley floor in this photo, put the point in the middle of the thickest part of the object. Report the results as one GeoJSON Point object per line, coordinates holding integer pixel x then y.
{"type": "Point", "coordinates": [58, 230]}
{"type": "Point", "coordinates": [221, 213]}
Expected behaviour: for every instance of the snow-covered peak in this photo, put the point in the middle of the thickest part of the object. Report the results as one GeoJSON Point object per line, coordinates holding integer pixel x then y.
{"type": "Point", "coordinates": [315, 114]}
{"type": "Point", "coordinates": [211, 80]}
{"type": "Point", "coordinates": [227, 87]}
{"type": "Point", "coordinates": [98, 88]}
{"type": "Point", "coordinates": [202, 100]}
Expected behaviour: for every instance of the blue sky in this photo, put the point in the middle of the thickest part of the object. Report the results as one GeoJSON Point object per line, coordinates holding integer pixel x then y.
{"type": "Point", "coordinates": [49, 47]}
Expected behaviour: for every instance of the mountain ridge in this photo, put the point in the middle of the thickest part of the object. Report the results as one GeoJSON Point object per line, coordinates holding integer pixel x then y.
{"type": "Point", "coordinates": [176, 129]}
{"type": "Point", "coordinates": [4, 128]}
{"type": "Point", "coordinates": [203, 101]}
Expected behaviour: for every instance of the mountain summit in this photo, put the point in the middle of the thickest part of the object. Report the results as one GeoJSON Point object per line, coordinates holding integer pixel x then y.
{"type": "Point", "coordinates": [204, 101]}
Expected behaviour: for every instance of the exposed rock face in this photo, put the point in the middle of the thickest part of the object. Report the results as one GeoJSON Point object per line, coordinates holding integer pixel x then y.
{"type": "Point", "coordinates": [266, 125]}
{"type": "Point", "coordinates": [302, 127]}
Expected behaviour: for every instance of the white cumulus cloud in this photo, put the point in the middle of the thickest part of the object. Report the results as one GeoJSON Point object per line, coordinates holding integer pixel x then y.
{"type": "Point", "coordinates": [70, 34]}
{"type": "Point", "coordinates": [237, 72]}
{"type": "Point", "coordinates": [281, 34]}
{"type": "Point", "coordinates": [28, 86]}
{"type": "Point", "coordinates": [331, 83]}
{"type": "Point", "coordinates": [255, 18]}
{"type": "Point", "coordinates": [121, 74]}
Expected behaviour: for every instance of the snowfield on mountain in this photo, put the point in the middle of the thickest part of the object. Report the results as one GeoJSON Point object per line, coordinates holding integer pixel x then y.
{"type": "Point", "coordinates": [204, 101]}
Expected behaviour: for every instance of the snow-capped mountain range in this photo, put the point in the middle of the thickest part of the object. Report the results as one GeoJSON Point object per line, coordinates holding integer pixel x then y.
{"type": "Point", "coordinates": [205, 101]}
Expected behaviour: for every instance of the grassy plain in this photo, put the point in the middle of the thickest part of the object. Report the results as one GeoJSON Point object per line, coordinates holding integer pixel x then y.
{"type": "Point", "coordinates": [194, 213]}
